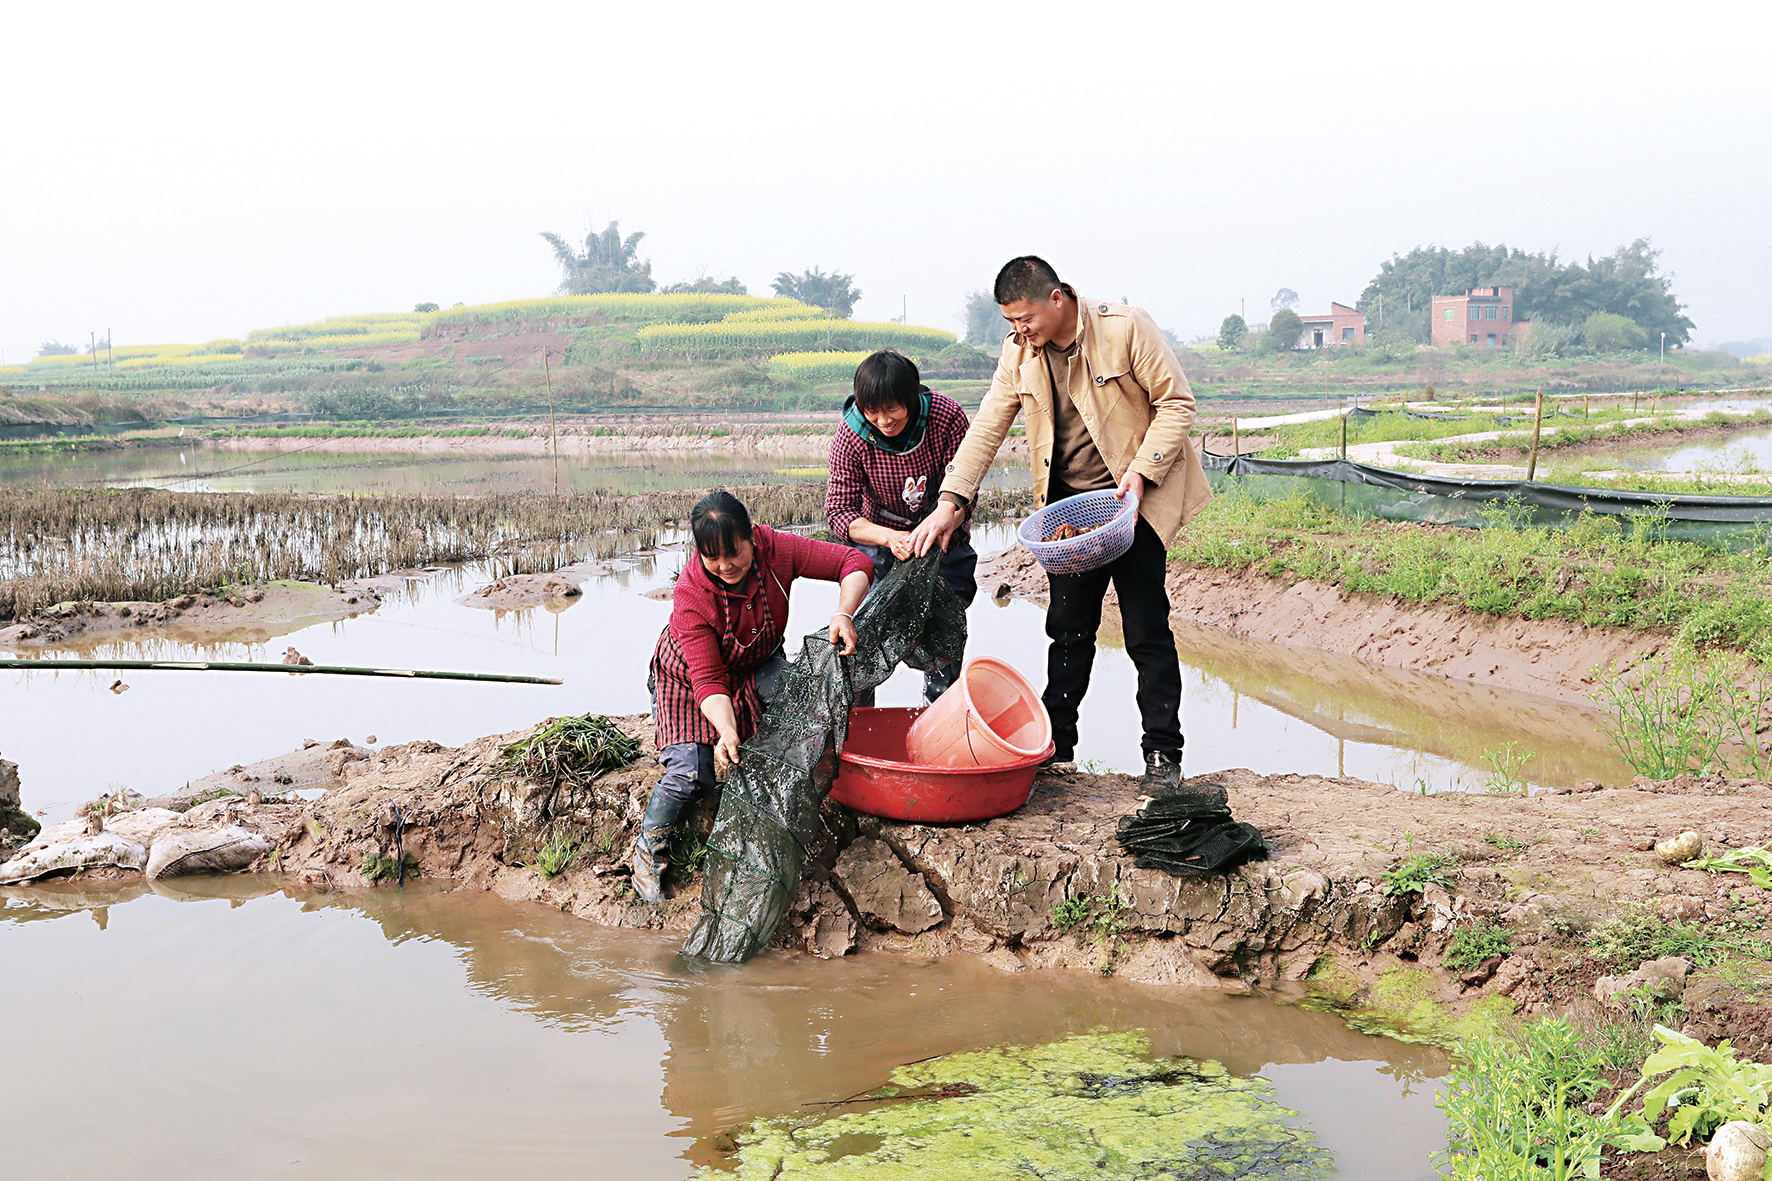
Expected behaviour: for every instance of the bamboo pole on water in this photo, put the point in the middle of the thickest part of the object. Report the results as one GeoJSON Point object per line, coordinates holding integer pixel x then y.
{"type": "Point", "coordinates": [237, 666]}
{"type": "Point", "coordinates": [1537, 426]}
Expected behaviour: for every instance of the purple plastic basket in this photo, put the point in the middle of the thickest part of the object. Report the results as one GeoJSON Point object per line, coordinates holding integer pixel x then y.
{"type": "Point", "coordinates": [1110, 521]}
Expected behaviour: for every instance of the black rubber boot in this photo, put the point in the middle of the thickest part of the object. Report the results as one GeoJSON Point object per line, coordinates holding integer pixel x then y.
{"type": "Point", "coordinates": [1162, 773]}
{"type": "Point", "coordinates": [652, 846]}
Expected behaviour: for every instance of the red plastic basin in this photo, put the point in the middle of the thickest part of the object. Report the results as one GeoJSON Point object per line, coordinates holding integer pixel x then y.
{"type": "Point", "coordinates": [873, 777]}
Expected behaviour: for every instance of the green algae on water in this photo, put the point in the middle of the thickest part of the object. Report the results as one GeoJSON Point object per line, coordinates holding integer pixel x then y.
{"type": "Point", "coordinates": [1094, 1105]}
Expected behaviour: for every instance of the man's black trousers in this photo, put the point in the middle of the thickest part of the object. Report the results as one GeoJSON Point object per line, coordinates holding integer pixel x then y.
{"type": "Point", "coordinates": [1075, 616]}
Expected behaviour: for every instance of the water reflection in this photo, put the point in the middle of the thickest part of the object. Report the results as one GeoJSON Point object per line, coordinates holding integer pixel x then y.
{"type": "Point", "coordinates": [235, 1027]}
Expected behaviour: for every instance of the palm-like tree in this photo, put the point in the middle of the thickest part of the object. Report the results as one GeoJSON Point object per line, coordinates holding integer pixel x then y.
{"type": "Point", "coordinates": [607, 262]}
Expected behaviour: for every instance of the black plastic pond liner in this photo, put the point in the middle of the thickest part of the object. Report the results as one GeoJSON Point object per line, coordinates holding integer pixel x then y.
{"type": "Point", "coordinates": [1190, 831]}
{"type": "Point", "coordinates": [1358, 489]}
{"type": "Point", "coordinates": [769, 810]}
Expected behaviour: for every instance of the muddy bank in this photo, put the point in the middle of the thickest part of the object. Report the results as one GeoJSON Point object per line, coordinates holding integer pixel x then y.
{"type": "Point", "coordinates": [1048, 887]}
{"type": "Point", "coordinates": [245, 615]}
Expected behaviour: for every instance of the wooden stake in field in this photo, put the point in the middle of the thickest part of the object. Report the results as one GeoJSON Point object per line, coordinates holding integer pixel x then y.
{"type": "Point", "coordinates": [1236, 442]}
{"type": "Point", "coordinates": [1344, 436]}
{"type": "Point", "coordinates": [1537, 426]}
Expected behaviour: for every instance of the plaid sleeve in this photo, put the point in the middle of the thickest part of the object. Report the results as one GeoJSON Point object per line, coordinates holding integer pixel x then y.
{"type": "Point", "coordinates": [842, 497]}
{"type": "Point", "coordinates": [948, 424]}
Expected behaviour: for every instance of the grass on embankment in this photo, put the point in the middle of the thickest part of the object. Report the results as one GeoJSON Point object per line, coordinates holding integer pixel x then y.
{"type": "Point", "coordinates": [1592, 573]}
{"type": "Point", "coordinates": [1287, 441]}
{"type": "Point", "coordinates": [1517, 444]}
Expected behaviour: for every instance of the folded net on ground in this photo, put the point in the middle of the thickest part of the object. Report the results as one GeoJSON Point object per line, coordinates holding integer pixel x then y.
{"type": "Point", "coordinates": [1190, 831]}
{"type": "Point", "coordinates": [769, 810]}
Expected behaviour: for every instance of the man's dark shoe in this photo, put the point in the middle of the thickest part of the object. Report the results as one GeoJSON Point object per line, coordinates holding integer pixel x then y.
{"type": "Point", "coordinates": [1162, 773]}
{"type": "Point", "coordinates": [1059, 762]}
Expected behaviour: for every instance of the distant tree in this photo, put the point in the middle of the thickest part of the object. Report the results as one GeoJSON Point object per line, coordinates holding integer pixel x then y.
{"type": "Point", "coordinates": [1284, 329]}
{"type": "Point", "coordinates": [1231, 333]}
{"type": "Point", "coordinates": [707, 286]}
{"type": "Point", "coordinates": [1284, 298]}
{"type": "Point", "coordinates": [1604, 332]}
{"type": "Point", "coordinates": [835, 293]}
{"type": "Point", "coordinates": [607, 263]}
{"type": "Point", "coordinates": [1624, 283]}
{"type": "Point", "coordinates": [98, 346]}
{"type": "Point", "coordinates": [424, 307]}
{"type": "Point", "coordinates": [962, 358]}
{"type": "Point", "coordinates": [984, 320]}
{"type": "Point", "coordinates": [54, 348]}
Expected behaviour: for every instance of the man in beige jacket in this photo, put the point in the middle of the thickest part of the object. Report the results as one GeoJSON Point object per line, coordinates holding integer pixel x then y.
{"type": "Point", "coordinates": [1107, 407]}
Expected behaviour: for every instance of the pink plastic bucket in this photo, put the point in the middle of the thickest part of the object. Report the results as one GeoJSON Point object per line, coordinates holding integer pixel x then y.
{"type": "Point", "coordinates": [990, 717]}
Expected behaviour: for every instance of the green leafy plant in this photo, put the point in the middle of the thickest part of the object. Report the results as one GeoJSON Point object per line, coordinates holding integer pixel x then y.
{"type": "Point", "coordinates": [1417, 871]}
{"type": "Point", "coordinates": [1752, 860]}
{"type": "Point", "coordinates": [1516, 1108]}
{"type": "Point", "coordinates": [1506, 769]}
{"type": "Point", "coordinates": [1112, 918]}
{"type": "Point", "coordinates": [1070, 913]}
{"type": "Point", "coordinates": [688, 849]}
{"type": "Point", "coordinates": [1635, 934]}
{"type": "Point", "coordinates": [557, 852]}
{"type": "Point", "coordinates": [1472, 943]}
{"type": "Point", "coordinates": [1707, 1087]}
{"type": "Point", "coordinates": [1678, 708]}
{"type": "Point", "coordinates": [1508, 843]}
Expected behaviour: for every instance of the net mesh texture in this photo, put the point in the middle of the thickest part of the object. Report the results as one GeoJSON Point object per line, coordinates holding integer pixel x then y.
{"type": "Point", "coordinates": [768, 818]}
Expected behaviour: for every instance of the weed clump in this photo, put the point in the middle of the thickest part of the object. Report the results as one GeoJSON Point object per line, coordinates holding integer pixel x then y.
{"type": "Point", "coordinates": [1473, 943]}
{"type": "Point", "coordinates": [558, 852]}
{"type": "Point", "coordinates": [380, 867]}
{"type": "Point", "coordinates": [571, 751]}
{"type": "Point", "coordinates": [1636, 934]}
{"type": "Point", "coordinates": [1416, 872]}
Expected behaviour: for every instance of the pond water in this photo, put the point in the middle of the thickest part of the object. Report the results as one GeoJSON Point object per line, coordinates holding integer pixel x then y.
{"type": "Point", "coordinates": [1748, 450]}
{"type": "Point", "coordinates": [1261, 706]}
{"type": "Point", "coordinates": [232, 1027]}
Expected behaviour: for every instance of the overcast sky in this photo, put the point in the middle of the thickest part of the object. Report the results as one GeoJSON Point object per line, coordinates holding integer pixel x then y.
{"type": "Point", "coordinates": [181, 172]}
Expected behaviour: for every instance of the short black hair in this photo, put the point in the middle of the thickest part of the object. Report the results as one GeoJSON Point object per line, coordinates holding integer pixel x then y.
{"type": "Point", "coordinates": [887, 378]}
{"type": "Point", "coordinates": [1028, 277]}
{"type": "Point", "coordinates": [718, 522]}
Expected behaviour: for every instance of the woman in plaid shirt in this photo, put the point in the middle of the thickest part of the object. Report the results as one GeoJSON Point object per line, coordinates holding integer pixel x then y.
{"type": "Point", "coordinates": [719, 658]}
{"type": "Point", "coordinates": [886, 463]}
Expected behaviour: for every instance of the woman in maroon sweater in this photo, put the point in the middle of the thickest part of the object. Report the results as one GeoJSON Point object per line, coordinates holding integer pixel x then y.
{"type": "Point", "coordinates": [718, 660]}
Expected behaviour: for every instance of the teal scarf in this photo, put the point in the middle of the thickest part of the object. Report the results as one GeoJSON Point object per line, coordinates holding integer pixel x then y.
{"type": "Point", "coordinates": [906, 440]}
